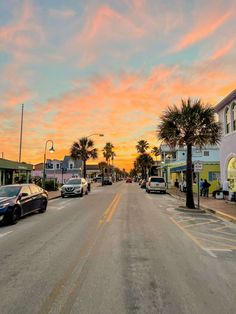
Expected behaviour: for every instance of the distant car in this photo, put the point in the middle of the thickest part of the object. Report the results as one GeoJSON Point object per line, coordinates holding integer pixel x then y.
{"type": "Point", "coordinates": [17, 200]}
{"type": "Point", "coordinates": [128, 180]}
{"type": "Point", "coordinates": [75, 187]}
{"type": "Point", "coordinates": [156, 184]}
{"type": "Point", "coordinates": [107, 181]}
{"type": "Point", "coordinates": [143, 184]}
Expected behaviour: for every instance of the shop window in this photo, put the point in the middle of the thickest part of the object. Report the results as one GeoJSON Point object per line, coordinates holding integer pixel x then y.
{"type": "Point", "coordinates": [213, 176]}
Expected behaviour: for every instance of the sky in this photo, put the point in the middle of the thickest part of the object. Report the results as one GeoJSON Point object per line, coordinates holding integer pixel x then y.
{"type": "Point", "coordinates": [112, 67]}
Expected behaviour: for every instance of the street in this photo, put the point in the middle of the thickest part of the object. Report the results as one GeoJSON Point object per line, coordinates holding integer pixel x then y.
{"type": "Point", "coordinates": [118, 250]}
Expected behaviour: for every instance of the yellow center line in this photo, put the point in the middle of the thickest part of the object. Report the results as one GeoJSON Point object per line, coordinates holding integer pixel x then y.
{"type": "Point", "coordinates": [113, 209]}
{"type": "Point", "coordinates": [108, 209]}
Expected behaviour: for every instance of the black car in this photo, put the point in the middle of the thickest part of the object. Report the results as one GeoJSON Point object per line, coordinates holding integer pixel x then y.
{"type": "Point", "coordinates": [17, 200]}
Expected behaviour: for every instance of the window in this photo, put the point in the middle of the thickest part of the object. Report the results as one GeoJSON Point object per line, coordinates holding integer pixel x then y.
{"type": "Point", "coordinates": [58, 166]}
{"type": "Point", "coordinates": [206, 153]}
{"type": "Point", "coordinates": [213, 176]}
{"type": "Point", "coordinates": [34, 189]}
{"type": "Point", "coordinates": [234, 116]}
{"type": "Point", "coordinates": [71, 166]}
{"type": "Point", "coordinates": [227, 121]}
{"type": "Point", "coordinates": [158, 180]}
{"type": "Point", "coordinates": [26, 189]}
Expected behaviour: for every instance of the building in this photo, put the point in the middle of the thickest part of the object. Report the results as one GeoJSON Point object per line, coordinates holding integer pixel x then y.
{"type": "Point", "coordinates": [173, 164]}
{"type": "Point", "coordinates": [226, 110]}
{"type": "Point", "coordinates": [62, 170]}
{"type": "Point", "coordinates": [14, 172]}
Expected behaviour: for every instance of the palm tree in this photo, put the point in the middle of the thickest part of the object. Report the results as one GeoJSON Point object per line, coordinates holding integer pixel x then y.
{"type": "Point", "coordinates": [155, 151]}
{"type": "Point", "coordinates": [142, 146]}
{"type": "Point", "coordinates": [192, 124]}
{"type": "Point", "coordinates": [83, 149]}
{"type": "Point", "coordinates": [108, 153]}
{"type": "Point", "coordinates": [144, 161]}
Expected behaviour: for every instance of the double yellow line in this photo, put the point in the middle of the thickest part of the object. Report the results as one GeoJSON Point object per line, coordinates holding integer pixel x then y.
{"type": "Point", "coordinates": [109, 212]}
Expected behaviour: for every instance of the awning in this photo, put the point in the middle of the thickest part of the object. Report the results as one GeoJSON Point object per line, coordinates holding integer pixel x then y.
{"type": "Point", "coordinates": [178, 169]}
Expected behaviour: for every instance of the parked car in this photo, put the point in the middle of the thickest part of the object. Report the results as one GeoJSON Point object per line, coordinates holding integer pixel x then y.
{"type": "Point", "coordinates": [17, 200]}
{"type": "Point", "coordinates": [75, 187]}
{"type": "Point", "coordinates": [107, 181]}
{"type": "Point", "coordinates": [156, 184]}
{"type": "Point", "coordinates": [128, 180]}
{"type": "Point", "coordinates": [143, 184]}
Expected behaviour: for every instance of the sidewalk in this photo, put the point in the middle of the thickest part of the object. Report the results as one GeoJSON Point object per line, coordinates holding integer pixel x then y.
{"type": "Point", "coordinates": [221, 208]}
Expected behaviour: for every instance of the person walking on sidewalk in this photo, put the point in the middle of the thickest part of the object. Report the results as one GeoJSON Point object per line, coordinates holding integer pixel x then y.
{"type": "Point", "coordinates": [201, 187]}
{"type": "Point", "coordinates": [226, 189]}
{"type": "Point", "coordinates": [206, 186]}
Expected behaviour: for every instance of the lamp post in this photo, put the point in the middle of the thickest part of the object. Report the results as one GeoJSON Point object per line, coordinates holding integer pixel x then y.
{"type": "Point", "coordinates": [51, 150]}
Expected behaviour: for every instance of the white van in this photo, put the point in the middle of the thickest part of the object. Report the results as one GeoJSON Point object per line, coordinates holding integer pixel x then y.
{"type": "Point", "coordinates": [156, 184]}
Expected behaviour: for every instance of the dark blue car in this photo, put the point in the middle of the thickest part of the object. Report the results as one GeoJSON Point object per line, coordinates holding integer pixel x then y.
{"type": "Point", "coordinates": [18, 200]}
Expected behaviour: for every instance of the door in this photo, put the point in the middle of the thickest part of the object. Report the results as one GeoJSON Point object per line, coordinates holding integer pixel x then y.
{"type": "Point", "coordinates": [36, 197]}
{"type": "Point", "coordinates": [26, 201]}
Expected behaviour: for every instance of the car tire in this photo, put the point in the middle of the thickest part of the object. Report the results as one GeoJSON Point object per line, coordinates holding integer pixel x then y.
{"type": "Point", "coordinates": [82, 193]}
{"type": "Point", "coordinates": [43, 207]}
{"type": "Point", "coordinates": [15, 216]}
{"type": "Point", "coordinates": [62, 195]}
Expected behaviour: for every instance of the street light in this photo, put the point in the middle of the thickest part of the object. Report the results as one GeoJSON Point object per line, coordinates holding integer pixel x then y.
{"type": "Point", "coordinates": [51, 150]}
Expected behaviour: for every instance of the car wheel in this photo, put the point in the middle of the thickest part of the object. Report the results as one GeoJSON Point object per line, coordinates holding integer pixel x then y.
{"type": "Point", "coordinates": [43, 207]}
{"type": "Point", "coordinates": [62, 195]}
{"type": "Point", "coordinates": [15, 216]}
{"type": "Point", "coordinates": [82, 193]}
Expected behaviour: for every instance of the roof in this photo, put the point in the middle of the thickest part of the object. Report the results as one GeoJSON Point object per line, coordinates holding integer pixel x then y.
{"type": "Point", "coordinates": [9, 164]}
{"type": "Point", "coordinates": [224, 102]}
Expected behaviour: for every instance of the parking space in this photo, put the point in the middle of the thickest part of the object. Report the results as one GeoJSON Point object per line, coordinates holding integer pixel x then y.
{"type": "Point", "coordinates": [208, 232]}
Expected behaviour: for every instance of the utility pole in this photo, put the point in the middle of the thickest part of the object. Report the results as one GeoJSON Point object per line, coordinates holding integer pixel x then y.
{"type": "Point", "coordinates": [21, 130]}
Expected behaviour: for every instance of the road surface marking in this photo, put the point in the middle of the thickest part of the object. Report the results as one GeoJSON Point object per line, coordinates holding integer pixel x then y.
{"type": "Point", "coordinates": [226, 246]}
{"type": "Point", "coordinates": [219, 228]}
{"type": "Point", "coordinates": [113, 209]}
{"type": "Point", "coordinates": [187, 233]}
{"type": "Point", "coordinates": [209, 252]}
{"type": "Point", "coordinates": [108, 209]}
{"type": "Point", "coordinates": [6, 233]}
{"type": "Point", "coordinates": [216, 237]}
{"type": "Point", "coordinates": [201, 223]}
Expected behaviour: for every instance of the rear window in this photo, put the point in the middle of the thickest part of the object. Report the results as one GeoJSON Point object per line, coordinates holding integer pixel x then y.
{"type": "Point", "coordinates": [158, 180]}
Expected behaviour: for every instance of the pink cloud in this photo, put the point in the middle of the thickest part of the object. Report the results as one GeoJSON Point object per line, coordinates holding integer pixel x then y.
{"type": "Point", "coordinates": [202, 31]}
{"type": "Point", "coordinates": [223, 51]}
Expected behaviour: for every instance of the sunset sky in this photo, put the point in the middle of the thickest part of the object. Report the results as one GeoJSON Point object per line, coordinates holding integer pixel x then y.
{"type": "Point", "coordinates": [83, 67]}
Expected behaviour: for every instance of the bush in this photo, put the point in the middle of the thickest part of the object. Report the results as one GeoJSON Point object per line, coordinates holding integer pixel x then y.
{"type": "Point", "coordinates": [49, 185]}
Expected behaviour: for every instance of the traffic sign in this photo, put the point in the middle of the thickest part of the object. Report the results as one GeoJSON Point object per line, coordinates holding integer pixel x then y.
{"type": "Point", "coordinates": [197, 166]}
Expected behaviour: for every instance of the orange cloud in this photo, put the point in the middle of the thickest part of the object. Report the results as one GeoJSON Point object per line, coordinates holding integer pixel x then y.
{"type": "Point", "coordinates": [223, 51]}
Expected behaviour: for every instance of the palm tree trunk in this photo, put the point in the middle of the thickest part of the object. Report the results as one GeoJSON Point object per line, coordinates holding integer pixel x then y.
{"type": "Point", "coordinates": [189, 175]}
{"type": "Point", "coordinates": [84, 169]}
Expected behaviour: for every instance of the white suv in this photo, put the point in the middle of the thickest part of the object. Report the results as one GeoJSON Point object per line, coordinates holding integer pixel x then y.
{"type": "Point", "coordinates": [155, 184]}
{"type": "Point", "coordinates": [74, 186]}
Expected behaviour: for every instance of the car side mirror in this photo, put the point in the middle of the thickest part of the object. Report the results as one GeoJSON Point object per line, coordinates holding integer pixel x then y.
{"type": "Point", "coordinates": [23, 195]}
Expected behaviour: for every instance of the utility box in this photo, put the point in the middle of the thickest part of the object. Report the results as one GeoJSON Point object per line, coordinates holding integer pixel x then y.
{"type": "Point", "coordinates": [219, 195]}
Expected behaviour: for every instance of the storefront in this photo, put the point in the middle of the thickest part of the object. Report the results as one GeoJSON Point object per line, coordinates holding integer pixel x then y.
{"type": "Point", "coordinates": [14, 172]}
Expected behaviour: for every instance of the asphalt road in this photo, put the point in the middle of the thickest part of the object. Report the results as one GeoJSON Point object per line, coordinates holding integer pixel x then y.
{"type": "Point", "coordinates": [118, 250]}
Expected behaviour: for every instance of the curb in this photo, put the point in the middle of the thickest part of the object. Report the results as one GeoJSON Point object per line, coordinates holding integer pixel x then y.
{"type": "Point", "coordinates": [54, 197]}
{"type": "Point", "coordinates": [212, 211]}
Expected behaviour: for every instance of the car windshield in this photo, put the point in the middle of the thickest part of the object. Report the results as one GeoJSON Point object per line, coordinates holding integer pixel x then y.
{"type": "Point", "coordinates": [159, 180]}
{"type": "Point", "coordinates": [74, 181]}
{"type": "Point", "coordinates": [9, 191]}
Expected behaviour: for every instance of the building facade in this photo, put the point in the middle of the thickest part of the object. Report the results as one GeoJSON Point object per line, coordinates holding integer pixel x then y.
{"type": "Point", "coordinates": [226, 110]}
{"type": "Point", "coordinates": [62, 170]}
{"type": "Point", "coordinates": [173, 164]}
{"type": "Point", "coordinates": [14, 172]}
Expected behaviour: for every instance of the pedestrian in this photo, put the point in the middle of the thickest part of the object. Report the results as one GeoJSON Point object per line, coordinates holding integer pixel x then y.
{"type": "Point", "coordinates": [206, 186]}
{"type": "Point", "coordinates": [201, 187]}
{"type": "Point", "coordinates": [226, 189]}
{"type": "Point", "coordinates": [176, 183]}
